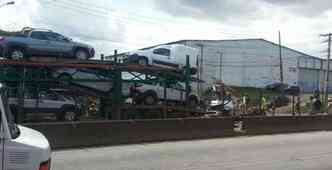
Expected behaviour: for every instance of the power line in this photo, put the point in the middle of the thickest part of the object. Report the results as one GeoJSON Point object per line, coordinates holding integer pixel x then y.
{"type": "Point", "coordinates": [76, 9]}
{"type": "Point", "coordinates": [281, 64]}
{"type": "Point", "coordinates": [135, 15]}
{"type": "Point", "coordinates": [104, 12]}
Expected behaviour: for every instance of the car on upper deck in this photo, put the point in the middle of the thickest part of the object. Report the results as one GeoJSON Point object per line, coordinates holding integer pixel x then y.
{"type": "Point", "coordinates": [42, 42]}
{"type": "Point", "coordinates": [170, 56]}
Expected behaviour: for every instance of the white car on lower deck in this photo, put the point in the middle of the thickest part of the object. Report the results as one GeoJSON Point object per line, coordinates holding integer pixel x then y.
{"type": "Point", "coordinates": [151, 94]}
{"type": "Point", "coordinates": [21, 148]}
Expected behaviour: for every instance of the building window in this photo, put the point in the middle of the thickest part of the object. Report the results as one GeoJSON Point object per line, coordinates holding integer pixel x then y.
{"type": "Point", "coordinates": [292, 69]}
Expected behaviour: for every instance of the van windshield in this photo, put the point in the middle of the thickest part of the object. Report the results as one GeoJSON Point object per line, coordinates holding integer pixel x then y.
{"type": "Point", "coordinates": [14, 130]}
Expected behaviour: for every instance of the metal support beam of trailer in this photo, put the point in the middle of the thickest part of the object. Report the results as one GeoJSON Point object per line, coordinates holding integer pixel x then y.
{"type": "Point", "coordinates": [27, 74]}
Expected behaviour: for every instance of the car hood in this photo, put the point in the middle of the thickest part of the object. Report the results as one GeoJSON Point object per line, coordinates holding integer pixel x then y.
{"type": "Point", "coordinates": [32, 145]}
{"type": "Point", "coordinates": [33, 138]}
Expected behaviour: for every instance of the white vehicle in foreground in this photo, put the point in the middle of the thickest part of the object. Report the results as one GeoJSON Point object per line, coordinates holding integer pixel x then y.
{"type": "Point", "coordinates": [21, 148]}
{"type": "Point", "coordinates": [166, 56]}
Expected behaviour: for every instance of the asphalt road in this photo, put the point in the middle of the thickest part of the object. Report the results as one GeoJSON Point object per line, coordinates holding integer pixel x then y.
{"type": "Point", "coordinates": [279, 152]}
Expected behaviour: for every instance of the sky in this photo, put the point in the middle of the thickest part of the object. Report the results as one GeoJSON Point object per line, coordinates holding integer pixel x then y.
{"type": "Point", "coordinates": [131, 24]}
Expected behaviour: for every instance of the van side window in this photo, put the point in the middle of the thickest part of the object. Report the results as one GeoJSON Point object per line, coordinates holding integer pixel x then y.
{"type": "Point", "coordinates": [162, 51]}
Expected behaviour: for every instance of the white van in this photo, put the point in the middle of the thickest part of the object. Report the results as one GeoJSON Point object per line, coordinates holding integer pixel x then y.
{"type": "Point", "coordinates": [21, 148]}
{"type": "Point", "coordinates": [166, 56]}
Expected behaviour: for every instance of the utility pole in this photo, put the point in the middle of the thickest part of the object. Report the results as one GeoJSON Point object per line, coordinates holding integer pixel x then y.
{"type": "Point", "coordinates": [200, 68]}
{"type": "Point", "coordinates": [327, 79]}
{"type": "Point", "coordinates": [220, 65]}
{"type": "Point", "coordinates": [281, 66]}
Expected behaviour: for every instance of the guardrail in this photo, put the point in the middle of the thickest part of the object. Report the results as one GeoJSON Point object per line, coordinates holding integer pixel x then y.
{"type": "Point", "coordinates": [99, 133]}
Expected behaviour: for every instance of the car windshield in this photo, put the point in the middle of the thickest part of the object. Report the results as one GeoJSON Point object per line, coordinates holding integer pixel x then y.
{"type": "Point", "coordinates": [14, 130]}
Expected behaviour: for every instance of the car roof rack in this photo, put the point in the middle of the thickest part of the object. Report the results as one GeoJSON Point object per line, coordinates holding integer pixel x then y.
{"type": "Point", "coordinates": [32, 29]}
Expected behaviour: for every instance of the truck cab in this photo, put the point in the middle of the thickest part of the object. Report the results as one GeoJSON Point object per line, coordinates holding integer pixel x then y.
{"type": "Point", "coordinates": [21, 148]}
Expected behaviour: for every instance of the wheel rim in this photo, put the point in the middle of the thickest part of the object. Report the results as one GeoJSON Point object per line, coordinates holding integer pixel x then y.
{"type": "Point", "coordinates": [149, 100]}
{"type": "Point", "coordinates": [17, 55]}
{"type": "Point", "coordinates": [82, 55]}
{"type": "Point", "coordinates": [70, 116]}
{"type": "Point", "coordinates": [142, 62]}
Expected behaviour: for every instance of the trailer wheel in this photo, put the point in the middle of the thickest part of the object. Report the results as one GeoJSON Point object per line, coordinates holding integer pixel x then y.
{"type": "Point", "coordinates": [81, 54]}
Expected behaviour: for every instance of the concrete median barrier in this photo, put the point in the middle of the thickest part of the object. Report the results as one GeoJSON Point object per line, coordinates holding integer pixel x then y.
{"type": "Point", "coordinates": [101, 133]}
{"type": "Point", "coordinates": [273, 125]}
{"type": "Point", "coordinates": [85, 134]}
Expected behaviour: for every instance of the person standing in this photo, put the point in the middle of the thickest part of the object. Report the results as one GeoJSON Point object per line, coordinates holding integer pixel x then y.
{"type": "Point", "coordinates": [264, 106]}
{"type": "Point", "coordinates": [245, 102]}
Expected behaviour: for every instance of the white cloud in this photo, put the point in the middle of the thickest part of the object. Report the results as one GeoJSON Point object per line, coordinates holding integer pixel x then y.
{"type": "Point", "coordinates": [127, 25]}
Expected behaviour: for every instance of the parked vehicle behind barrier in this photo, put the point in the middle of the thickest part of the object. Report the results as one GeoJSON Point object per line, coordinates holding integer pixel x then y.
{"type": "Point", "coordinates": [227, 107]}
{"type": "Point", "coordinates": [41, 42]}
{"type": "Point", "coordinates": [21, 147]}
{"type": "Point", "coordinates": [166, 56]}
{"type": "Point", "coordinates": [47, 102]}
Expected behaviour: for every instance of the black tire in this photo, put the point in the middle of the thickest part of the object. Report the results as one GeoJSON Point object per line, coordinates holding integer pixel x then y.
{"type": "Point", "coordinates": [150, 98]}
{"type": "Point", "coordinates": [17, 53]}
{"type": "Point", "coordinates": [143, 61]}
{"type": "Point", "coordinates": [67, 115]}
{"type": "Point", "coordinates": [81, 54]}
{"type": "Point", "coordinates": [192, 101]}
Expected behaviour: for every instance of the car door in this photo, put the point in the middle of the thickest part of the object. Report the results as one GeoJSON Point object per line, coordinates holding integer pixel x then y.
{"type": "Point", "coordinates": [59, 44]}
{"type": "Point", "coordinates": [162, 57]}
{"type": "Point", "coordinates": [30, 102]}
{"type": "Point", "coordinates": [174, 92]}
{"type": "Point", "coordinates": [38, 43]}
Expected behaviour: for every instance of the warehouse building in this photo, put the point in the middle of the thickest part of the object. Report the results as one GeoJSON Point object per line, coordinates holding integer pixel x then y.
{"type": "Point", "coordinates": [255, 63]}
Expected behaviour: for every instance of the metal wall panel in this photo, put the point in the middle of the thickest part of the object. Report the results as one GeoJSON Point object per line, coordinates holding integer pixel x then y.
{"type": "Point", "coordinates": [254, 62]}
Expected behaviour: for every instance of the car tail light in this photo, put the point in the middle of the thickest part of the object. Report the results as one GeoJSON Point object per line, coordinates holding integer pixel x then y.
{"type": "Point", "coordinates": [45, 165]}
